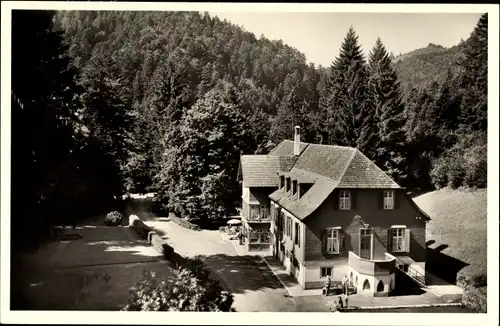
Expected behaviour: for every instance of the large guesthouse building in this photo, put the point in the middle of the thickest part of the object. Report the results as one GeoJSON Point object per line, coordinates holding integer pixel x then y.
{"type": "Point", "coordinates": [330, 211]}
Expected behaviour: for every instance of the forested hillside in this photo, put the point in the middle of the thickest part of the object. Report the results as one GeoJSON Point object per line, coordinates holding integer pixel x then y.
{"type": "Point", "coordinates": [168, 101]}
{"type": "Point", "coordinates": [421, 67]}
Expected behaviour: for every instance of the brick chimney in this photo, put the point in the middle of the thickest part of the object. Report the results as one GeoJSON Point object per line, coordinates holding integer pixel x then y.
{"type": "Point", "coordinates": [296, 144]}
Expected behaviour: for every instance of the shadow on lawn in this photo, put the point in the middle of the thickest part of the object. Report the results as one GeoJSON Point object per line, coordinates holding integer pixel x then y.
{"type": "Point", "coordinates": [106, 257]}
{"type": "Point", "coordinates": [442, 265]}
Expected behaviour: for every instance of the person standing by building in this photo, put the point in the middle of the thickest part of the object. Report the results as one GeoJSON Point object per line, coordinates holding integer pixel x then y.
{"type": "Point", "coordinates": [344, 284]}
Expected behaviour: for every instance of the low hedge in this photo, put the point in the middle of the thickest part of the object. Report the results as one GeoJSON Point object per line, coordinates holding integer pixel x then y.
{"type": "Point", "coordinates": [184, 223]}
{"type": "Point", "coordinates": [139, 227]}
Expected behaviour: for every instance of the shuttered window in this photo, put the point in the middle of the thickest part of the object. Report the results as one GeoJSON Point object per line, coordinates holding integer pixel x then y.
{"type": "Point", "coordinates": [399, 239]}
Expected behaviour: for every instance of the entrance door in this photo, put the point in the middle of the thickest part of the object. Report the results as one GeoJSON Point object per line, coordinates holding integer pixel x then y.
{"type": "Point", "coordinates": [365, 243]}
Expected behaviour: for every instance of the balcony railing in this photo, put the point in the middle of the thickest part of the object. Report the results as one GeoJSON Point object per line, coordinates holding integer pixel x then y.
{"type": "Point", "coordinates": [371, 267]}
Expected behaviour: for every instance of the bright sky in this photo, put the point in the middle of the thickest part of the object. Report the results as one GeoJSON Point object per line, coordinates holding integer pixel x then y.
{"type": "Point", "coordinates": [319, 35]}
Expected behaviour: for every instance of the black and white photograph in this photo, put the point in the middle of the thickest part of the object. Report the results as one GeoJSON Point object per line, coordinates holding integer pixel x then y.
{"type": "Point", "coordinates": [272, 158]}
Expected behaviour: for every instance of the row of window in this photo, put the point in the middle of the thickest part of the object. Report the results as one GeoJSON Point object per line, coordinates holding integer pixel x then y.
{"type": "Point", "coordinates": [345, 199]}
{"type": "Point", "coordinates": [291, 229]}
{"type": "Point", "coordinates": [259, 212]}
{"type": "Point", "coordinates": [289, 185]}
{"type": "Point", "coordinates": [333, 241]}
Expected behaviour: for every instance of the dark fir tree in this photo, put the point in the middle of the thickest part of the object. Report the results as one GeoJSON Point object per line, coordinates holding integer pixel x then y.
{"type": "Point", "coordinates": [475, 79]}
{"type": "Point", "coordinates": [347, 93]}
{"type": "Point", "coordinates": [388, 116]}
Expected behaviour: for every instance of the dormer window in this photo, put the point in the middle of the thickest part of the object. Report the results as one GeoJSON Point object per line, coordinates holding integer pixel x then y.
{"type": "Point", "coordinates": [294, 187]}
{"type": "Point", "coordinates": [287, 185]}
{"type": "Point", "coordinates": [303, 188]}
{"type": "Point", "coordinates": [282, 181]}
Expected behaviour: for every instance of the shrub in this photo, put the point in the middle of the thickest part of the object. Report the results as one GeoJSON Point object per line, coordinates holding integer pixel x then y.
{"type": "Point", "coordinates": [476, 281]}
{"type": "Point", "coordinates": [184, 292]}
{"type": "Point", "coordinates": [184, 223]}
{"type": "Point", "coordinates": [456, 174]}
{"type": "Point", "coordinates": [476, 161]}
{"type": "Point", "coordinates": [475, 299]}
{"type": "Point", "coordinates": [113, 218]}
{"type": "Point", "coordinates": [439, 175]}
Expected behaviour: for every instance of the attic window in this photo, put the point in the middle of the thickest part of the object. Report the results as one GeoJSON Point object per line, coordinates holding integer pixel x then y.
{"type": "Point", "coordinates": [287, 185]}
{"type": "Point", "coordinates": [282, 181]}
{"type": "Point", "coordinates": [294, 187]}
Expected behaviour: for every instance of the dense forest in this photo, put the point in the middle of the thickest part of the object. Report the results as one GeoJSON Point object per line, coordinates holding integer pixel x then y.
{"type": "Point", "coordinates": [107, 103]}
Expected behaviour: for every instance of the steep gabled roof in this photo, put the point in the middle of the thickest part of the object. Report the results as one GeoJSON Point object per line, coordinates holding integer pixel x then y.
{"type": "Point", "coordinates": [262, 170]}
{"type": "Point", "coordinates": [326, 167]}
{"type": "Point", "coordinates": [330, 167]}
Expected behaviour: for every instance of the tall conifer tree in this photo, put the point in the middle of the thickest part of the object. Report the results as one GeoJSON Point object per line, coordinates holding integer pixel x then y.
{"type": "Point", "coordinates": [388, 113]}
{"type": "Point", "coordinates": [347, 97]}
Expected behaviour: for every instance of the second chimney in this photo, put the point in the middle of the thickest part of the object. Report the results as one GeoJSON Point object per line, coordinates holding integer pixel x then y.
{"type": "Point", "coordinates": [296, 144]}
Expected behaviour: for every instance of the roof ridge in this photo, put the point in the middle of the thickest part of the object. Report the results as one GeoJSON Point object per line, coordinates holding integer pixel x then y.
{"type": "Point", "coordinates": [338, 146]}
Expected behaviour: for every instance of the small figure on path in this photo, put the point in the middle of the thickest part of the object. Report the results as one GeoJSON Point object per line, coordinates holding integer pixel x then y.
{"type": "Point", "coordinates": [340, 303]}
{"type": "Point", "coordinates": [344, 284]}
{"type": "Point", "coordinates": [328, 284]}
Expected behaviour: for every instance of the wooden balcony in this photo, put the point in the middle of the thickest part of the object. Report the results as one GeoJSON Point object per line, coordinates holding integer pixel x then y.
{"type": "Point", "coordinates": [371, 267]}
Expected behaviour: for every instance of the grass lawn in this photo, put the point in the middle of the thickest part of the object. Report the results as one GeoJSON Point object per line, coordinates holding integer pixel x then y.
{"type": "Point", "coordinates": [85, 288]}
{"type": "Point", "coordinates": [458, 227]}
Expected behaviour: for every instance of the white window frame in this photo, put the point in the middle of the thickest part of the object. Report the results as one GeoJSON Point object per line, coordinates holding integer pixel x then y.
{"type": "Point", "coordinates": [367, 231]}
{"type": "Point", "coordinates": [398, 235]}
{"type": "Point", "coordinates": [325, 268]}
{"type": "Point", "coordinates": [263, 210]}
{"type": "Point", "coordinates": [332, 238]}
{"type": "Point", "coordinates": [388, 199]}
{"type": "Point", "coordinates": [345, 200]}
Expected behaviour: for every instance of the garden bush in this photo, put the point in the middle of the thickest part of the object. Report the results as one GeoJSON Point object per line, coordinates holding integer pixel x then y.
{"type": "Point", "coordinates": [184, 292]}
{"type": "Point", "coordinates": [476, 281]}
{"type": "Point", "coordinates": [439, 174]}
{"type": "Point", "coordinates": [184, 223]}
{"type": "Point", "coordinates": [475, 298]}
{"type": "Point", "coordinates": [113, 218]}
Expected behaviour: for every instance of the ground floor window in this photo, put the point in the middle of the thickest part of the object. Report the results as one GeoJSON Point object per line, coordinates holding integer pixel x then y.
{"type": "Point", "coordinates": [326, 271]}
